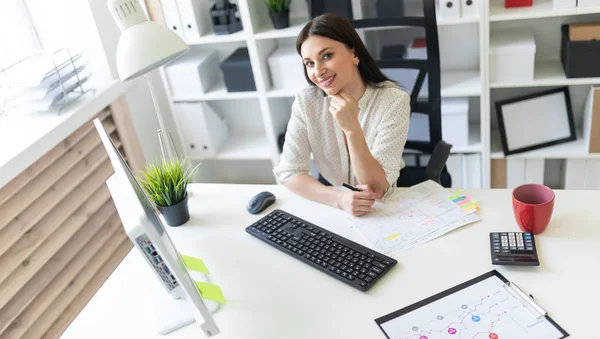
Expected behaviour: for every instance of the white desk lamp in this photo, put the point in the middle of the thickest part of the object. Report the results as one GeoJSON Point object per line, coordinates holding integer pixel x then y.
{"type": "Point", "coordinates": [144, 46]}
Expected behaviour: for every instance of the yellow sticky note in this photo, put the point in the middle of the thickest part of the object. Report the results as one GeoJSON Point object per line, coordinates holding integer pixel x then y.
{"type": "Point", "coordinates": [194, 264]}
{"type": "Point", "coordinates": [469, 205]}
{"type": "Point", "coordinates": [395, 235]}
{"type": "Point", "coordinates": [211, 292]}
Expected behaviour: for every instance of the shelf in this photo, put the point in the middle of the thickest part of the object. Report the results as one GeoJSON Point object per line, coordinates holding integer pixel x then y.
{"type": "Point", "coordinates": [212, 38]}
{"type": "Point", "coordinates": [243, 147]}
{"type": "Point", "coordinates": [548, 73]}
{"type": "Point", "coordinates": [540, 9]}
{"type": "Point", "coordinates": [218, 92]}
{"type": "Point", "coordinates": [570, 150]}
{"type": "Point", "coordinates": [281, 93]}
{"type": "Point", "coordinates": [461, 83]}
{"type": "Point", "coordinates": [456, 21]}
{"type": "Point", "coordinates": [268, 32]}
{"type": "Point", "coordinates": [454, 84]}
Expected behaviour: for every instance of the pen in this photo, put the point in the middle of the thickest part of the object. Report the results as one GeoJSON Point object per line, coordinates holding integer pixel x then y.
{"type": "Point", "coordinates": [351, 187]}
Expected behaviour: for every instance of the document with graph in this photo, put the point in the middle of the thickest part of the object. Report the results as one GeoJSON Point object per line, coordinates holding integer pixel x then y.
{"type": "Point", "coordinates": [487, 307]}
{"type": "Point", "coordinates": [414, 216]}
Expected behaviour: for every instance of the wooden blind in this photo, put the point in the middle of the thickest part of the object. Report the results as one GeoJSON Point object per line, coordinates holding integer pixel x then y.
{"type": "Point", "coordinates": [60, 234]}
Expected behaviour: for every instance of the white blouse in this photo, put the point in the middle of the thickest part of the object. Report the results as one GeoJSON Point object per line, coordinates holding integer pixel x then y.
{"type": "Point", "coordinates": [384, 117]}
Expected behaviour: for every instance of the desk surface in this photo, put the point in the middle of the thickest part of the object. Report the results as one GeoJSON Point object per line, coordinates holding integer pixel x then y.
{"type": "Point", "coordinates": [272, 295]}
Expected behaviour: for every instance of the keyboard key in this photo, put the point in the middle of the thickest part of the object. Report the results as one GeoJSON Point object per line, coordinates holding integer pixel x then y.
{"type": "Point", "coordinates": [368, 279]}
{"type": "Point", "coordinates": [363, 284]}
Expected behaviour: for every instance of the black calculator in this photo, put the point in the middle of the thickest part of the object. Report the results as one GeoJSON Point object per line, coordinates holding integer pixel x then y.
{"type": "Point", "coordinates": [513, 248]}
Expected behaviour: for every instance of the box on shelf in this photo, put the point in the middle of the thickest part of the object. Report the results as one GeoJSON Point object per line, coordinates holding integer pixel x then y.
{"type": "Point", "coordinates": [193, 74]}
{"type": "Point", "coordinates": [512, 54]}
{"type": "Point", "coordinates": [237, 71]}
{"type": "Point", "coordinates": [390, 8]}
{"type": "Point", "coordinates": [455, 121]}
{"type": "Point", "coordinates": [579, 58]}
{"type": "Point", "coordinates": [584, 31]}
{"type": "Point", "coordinates": [517, 3]}
{"type": "Point", "coordinates": [557, 4]}
{"type": "Point", "coordinates": [588, 3]}
{"type": "Point", "coordinates": [417, 49]}
{"type": "Point", "coordinates": [225, 18]}
{"type": "Point", "coordinates": [591, 121]}
{"type": "Point", "coordinates": [287, 71]}
{"type": "Point", "coordinates": [341, 7]}
{"type": "Point", "coordinates": [204, 132]}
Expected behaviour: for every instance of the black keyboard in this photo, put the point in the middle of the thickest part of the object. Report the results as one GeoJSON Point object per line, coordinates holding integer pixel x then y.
{"type": "Point", "coordinates": [343, 259]}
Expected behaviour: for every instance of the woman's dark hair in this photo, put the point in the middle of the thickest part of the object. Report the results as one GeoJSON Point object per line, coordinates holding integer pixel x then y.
{"type": "Point", "coordinates": [336, 27]}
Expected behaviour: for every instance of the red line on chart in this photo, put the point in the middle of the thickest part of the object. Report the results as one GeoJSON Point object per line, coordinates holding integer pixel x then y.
{"type": "Point", "coordinates": [490, 330]}
{"type": "Point", "coordinates": [480, 303]}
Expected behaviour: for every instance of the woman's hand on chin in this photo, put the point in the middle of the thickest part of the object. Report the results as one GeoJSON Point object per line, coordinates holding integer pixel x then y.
{"type": "Point", "coordinates": [344, 109]}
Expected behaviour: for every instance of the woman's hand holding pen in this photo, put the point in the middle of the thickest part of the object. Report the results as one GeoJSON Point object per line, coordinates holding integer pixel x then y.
{"type": "Point", "coordinates": [358, 203]}
{"type": "Point", "coordinates": [344, 109]}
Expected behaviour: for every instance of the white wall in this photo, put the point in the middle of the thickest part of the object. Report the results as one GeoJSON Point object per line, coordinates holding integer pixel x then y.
{"type": "Point", "coordinates": [140, 102]}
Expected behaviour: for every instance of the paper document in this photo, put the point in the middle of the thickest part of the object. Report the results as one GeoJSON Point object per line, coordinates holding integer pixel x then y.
{"type": "Point", "coordinates": [484, 308]}
{"type": "Point", "coordinates": [414, 216]}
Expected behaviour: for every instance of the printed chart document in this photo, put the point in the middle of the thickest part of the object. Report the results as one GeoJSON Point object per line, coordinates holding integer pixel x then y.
{"type": "Point", "coordinates": [486, 307]}
{"type": "Point", "coordinates": [414, 216]}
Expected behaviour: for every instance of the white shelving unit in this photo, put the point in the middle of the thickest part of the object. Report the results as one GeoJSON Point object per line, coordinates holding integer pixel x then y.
{"type": "Point", "coordinates": [464, 51]}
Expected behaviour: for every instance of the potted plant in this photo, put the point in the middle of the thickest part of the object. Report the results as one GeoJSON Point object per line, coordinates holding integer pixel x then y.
{"type": "Point", "coordinates": [166, 185]}
{"type": "Point", "coordinates": [279, 11]}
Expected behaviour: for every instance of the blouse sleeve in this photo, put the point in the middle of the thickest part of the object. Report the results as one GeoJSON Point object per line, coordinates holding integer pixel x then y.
{"type": "Point", "coordinates": [391, 136]}
{"type": "Point", "coordinates": [295, 158]}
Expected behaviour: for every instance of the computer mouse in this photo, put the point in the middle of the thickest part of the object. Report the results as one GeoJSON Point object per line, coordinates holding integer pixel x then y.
{"type": "Point", "coordinates": [259, 202]}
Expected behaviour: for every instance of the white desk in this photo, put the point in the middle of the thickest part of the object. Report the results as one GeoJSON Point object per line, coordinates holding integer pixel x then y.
{"type": "Point", "coordinates": [272, 295]}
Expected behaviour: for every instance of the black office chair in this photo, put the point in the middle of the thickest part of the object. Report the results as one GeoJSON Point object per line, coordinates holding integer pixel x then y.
{"type": "Point", "coordinates": [436, 147]}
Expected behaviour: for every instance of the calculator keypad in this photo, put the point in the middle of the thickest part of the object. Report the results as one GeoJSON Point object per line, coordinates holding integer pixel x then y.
{"type": "Point", "coordinates": [513, 248]}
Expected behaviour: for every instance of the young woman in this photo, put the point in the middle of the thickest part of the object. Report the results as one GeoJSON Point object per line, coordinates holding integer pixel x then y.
{"type": "Point", "coordinates": [353, 119]}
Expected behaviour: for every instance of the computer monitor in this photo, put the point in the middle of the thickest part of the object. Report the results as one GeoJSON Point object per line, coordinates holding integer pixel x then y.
{"type": "Point", "coordinates": [147, 233]}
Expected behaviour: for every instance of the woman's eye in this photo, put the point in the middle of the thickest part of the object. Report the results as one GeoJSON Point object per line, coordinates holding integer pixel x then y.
{"type": "Point", "coordinates": [309, 64]}
{"type": "Point", "coordinates": [327, 56]}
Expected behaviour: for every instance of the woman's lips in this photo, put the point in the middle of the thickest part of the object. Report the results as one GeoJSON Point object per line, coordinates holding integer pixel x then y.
{"type": "Point", "coordinates": [327, 82]}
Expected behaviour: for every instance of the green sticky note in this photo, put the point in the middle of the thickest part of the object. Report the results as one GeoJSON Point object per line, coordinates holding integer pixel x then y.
{"type": "Point", "coordinates": [454, 196]}
{"type": "Point", "coordinates": [194, 264]}
{"type": "Point", "coordinates": [211, 292]}
{"type": "Point", "coordinates": [469, 205]}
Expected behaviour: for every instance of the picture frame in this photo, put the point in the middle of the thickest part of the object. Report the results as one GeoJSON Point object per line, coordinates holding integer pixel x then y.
{"type": "Point", "coordinates": [536, 121]}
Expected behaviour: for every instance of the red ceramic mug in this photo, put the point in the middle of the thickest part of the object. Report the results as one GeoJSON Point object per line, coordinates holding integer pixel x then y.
{"type": "Point", "coordinates": [533, 205]}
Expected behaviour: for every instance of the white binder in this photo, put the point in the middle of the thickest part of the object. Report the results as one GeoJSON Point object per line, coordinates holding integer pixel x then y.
{"type": "Point", "coordinates": [204, 131]}
{"type": "Point", "coordinates": [195, 18]}
{"type": "Point", "coordinates": [454, 167]}
{"type": "Point", "coordinates": [575, 174]}
{"type": "Point", "coordinates": [171, 14]}
{"type": "Point", "coordinates": [534, 171]}
{"type": "Point", "coordinates": [592, 174]}
{"type": "Point", "coordinates": [472, 170]}
{"type": "Point", "coordinates": [469, 8]}
{"type": "Point", "coordinates": [450, 9]}
{"type": "Point", "coordinates": [515, 172]}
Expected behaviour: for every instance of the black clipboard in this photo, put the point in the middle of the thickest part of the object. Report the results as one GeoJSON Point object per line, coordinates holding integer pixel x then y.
{"type": "Point", "coordinates": [419, 304]}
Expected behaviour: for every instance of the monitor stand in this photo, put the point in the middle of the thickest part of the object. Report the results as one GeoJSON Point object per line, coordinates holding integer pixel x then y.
{"type": "Point", "coordinates": [172, 314]}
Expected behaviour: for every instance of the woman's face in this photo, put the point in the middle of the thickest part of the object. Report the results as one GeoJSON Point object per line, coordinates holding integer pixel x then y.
{"type": "Point", "coordinates": [329, 63]}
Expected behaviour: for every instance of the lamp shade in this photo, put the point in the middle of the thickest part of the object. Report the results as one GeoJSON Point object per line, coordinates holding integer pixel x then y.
{"type": "Point", "coordinates": [144, 45]}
